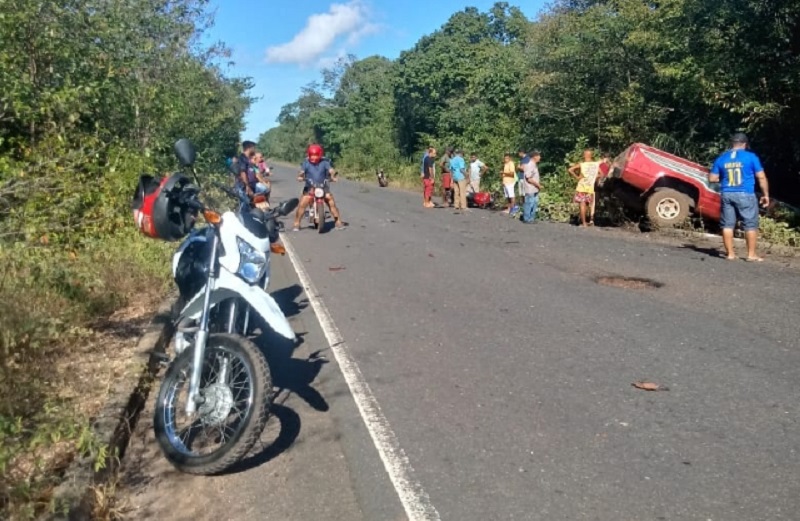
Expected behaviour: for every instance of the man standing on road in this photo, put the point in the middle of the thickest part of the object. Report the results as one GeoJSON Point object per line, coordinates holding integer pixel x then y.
{"type": "Point", "coordinates": [447, 178]}
{"type": "Point", "coordinates": [530, 180]}
{"type": "Point", "coordinates": [509, 183]}
{"type": "Point", "coordinates": [524, 159]}
{"type": "Point", "coordinates": [476, 171]}
{"type": "Point", "coordinates": [458, 167]}
{"type": "Point", "coordinates": [586, 174]}
{"type": "Point", "coordinates": [737, 170]}
{"type": "Point", "coordinates": [428, 175]}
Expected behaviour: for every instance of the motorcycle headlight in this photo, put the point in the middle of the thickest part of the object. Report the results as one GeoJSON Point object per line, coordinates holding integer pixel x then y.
{"type": "Point", "coordinates": [319, 192]}
{"type": "Point", "coordinates": [252, 263]}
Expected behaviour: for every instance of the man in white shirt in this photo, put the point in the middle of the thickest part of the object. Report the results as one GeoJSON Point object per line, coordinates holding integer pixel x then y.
{"type": "Point", "coordinates": [476, 171]}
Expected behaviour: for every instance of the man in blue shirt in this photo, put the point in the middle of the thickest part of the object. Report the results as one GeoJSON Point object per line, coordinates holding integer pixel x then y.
{"type": "Point", "coordinates": [316, 170]}
{"type": "Point", "coordinates": [737, 171]}
{"type": "Point", "coordinates": [458, 169]}
{"type": "Point", "coordinates": [245, 176]}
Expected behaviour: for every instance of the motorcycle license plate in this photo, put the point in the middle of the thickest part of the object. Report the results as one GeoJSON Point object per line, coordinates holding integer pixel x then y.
{"type": "Point", "coordinates": [319, 192]}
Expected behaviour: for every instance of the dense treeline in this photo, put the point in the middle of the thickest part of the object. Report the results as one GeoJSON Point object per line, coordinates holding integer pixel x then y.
{"type": "Point", "coordinates": [93, 93]}
{"type": "Point", "coordinates": [679, 74]}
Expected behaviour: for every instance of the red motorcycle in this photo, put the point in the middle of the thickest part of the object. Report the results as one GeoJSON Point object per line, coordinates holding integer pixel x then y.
{"type": "Point", "coordinates": [316, 211]}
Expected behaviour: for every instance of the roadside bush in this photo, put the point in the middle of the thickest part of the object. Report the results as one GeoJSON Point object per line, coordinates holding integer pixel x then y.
{"type": "Point", "coordinates": [50, 297]}
{"type": "Point", "coordinates": [779, 232]}
{"type": "Point", "coordinates": [69, 256]}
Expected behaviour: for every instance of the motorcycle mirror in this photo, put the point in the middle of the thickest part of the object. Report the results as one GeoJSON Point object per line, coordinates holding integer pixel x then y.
{"type": "Point", "coordinates": [187, 155]}
{"type": "Point", "coordinates": [185, 152]}
{"type": "Point", "coordinates": [287, 207]}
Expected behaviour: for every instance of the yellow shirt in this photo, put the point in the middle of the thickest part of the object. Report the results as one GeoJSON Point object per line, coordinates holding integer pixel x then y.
{"type": "Point", "coordinates": [589, 171]}
{"type": "Point", "coordinates": [509, 173]}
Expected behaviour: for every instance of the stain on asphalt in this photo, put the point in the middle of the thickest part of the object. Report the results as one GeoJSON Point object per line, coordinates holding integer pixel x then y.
{"type": "Point", "coordinates": [619, 281]}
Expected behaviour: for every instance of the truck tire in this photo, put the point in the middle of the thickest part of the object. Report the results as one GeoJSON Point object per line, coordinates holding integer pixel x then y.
{"type": "Point", "coordinates": [668, 208]}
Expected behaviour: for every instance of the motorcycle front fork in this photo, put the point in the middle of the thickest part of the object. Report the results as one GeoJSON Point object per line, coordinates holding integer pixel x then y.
{"type": "Point", "coordinates": [233, 313]}
{"type": "Point", "coordinates": [201, 337]}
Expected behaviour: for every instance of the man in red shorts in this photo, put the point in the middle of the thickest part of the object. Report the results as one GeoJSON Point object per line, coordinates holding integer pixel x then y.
{"type": "Point", "coordinates": [428, 175]}
{"type": "Point", "coordinates": [447, 178]}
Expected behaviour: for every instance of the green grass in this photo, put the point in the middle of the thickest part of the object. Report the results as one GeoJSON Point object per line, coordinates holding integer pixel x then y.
{"type": "Point", "coordinates": [50, 298]}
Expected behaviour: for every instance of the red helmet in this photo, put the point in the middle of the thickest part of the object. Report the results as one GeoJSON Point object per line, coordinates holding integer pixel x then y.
{"type": "Point", "coordinates": [314, 151]}
{"type": "Point", "coordinates": [158, 212]}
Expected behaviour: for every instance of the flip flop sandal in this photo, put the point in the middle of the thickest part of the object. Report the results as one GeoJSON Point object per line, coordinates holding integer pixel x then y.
{"type": "Point", "coordinates": [754, 259]}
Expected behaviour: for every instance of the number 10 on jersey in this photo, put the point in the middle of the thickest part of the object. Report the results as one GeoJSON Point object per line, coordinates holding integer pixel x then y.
{"type": "Point", "coordinates": [734, 176]}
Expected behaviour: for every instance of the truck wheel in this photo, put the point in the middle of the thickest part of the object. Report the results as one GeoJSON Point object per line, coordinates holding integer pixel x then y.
{"type": "Point", "coordinates": [667, 208]}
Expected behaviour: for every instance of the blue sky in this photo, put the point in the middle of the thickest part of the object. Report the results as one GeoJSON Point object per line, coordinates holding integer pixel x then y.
{"type": "Point", "coordinates": [283, 44]}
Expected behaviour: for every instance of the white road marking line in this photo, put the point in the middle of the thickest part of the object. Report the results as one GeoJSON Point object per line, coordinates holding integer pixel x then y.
{"type": "Point", "coordinates": [415, 500]}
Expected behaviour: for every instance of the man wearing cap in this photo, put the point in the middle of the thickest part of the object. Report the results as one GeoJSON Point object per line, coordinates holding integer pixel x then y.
{"type": "Point", "coordinates": [737, 171]}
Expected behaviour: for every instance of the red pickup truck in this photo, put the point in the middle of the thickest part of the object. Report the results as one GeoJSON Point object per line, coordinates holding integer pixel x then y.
{"type": "Point", "coordinates": [668, 187]}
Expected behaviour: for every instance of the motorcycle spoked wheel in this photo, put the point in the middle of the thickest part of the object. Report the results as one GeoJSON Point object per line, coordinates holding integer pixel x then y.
{"type": "Point", "coordinates": [320, 216]}
{"type": "Point", "coordinates": [232, 415]}
{"type": "Point", "coordinates": [312, 220]}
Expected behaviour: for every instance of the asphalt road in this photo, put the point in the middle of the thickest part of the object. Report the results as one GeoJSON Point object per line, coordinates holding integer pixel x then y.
{"type": "Point", "coordinates": [503, 372]}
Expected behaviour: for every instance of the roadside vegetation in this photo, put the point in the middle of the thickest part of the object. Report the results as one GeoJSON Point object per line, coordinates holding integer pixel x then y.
{"type": "Point", "coordinates": [681, 75]}
{"type": "Point", "coordinates": [92, 95]}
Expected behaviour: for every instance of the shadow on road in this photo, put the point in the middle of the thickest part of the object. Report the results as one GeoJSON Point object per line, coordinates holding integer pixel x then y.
{"type": "Point", "coordinates": [290, 375]}
{"type": "Point", "coordinates": [289, 431]}
{"type": "Point", "coordinates": [287, 300]}
{"type": "Point", "coordinates": [711, 252]}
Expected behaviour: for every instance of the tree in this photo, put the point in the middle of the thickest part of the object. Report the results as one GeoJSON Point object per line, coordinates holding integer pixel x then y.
{"type": "Point", "coordinates": [679, 74]}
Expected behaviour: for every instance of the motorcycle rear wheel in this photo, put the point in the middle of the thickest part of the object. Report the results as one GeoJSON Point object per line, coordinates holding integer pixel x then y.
{"type": "Point", "coordinates": [237, 433]}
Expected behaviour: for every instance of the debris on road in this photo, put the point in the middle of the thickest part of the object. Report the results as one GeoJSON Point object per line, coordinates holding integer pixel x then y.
{"type": "Point", "coordinates": [337, 268]}
{"type": "Point", "coordinates": [649, 386]}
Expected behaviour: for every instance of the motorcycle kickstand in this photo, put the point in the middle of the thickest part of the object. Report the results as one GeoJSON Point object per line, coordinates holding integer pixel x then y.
{"type": "Point", "coordinates": [161, 359]}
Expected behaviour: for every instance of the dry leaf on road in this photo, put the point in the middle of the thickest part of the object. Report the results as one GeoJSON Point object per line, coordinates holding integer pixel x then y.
{"type": "Point", "coordinates": [649, 386]}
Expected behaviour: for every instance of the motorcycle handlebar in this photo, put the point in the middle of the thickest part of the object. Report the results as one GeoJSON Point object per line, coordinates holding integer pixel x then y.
{"type": "Point", "coordinates": [227, 191]}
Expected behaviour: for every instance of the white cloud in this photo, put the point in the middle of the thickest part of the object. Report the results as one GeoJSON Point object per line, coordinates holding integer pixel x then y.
{"type": "Point", "coordinates": [326, 62]}
{"type": "Point", "coordinates": [321, 32]}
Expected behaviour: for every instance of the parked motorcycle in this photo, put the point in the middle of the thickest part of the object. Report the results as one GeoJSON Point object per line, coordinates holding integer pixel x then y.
{"type": "Point", "coordinates": [214, 400]}
{"type": "Point", "coordinates": [382, 181]}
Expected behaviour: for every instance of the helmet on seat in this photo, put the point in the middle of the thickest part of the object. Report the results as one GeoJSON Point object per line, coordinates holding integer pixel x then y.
{"type": "Point", "coordinates": [160, 208]}
{"type": "Point", "coordinates": [314, 153]}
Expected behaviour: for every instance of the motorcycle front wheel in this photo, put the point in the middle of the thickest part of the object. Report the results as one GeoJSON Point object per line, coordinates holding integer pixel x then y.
{"type": "Point", "coordinates": [236, 389]}
{"type": "Point", "coordinates": [320, 216]}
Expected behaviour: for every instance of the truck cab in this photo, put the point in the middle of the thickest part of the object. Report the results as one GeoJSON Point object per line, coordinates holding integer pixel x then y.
{"type": "Point", "coordinates": [669, 188]}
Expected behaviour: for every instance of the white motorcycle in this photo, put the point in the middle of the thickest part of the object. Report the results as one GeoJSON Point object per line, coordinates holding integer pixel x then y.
{"type": "Point", "coordinates": [214, 401]}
